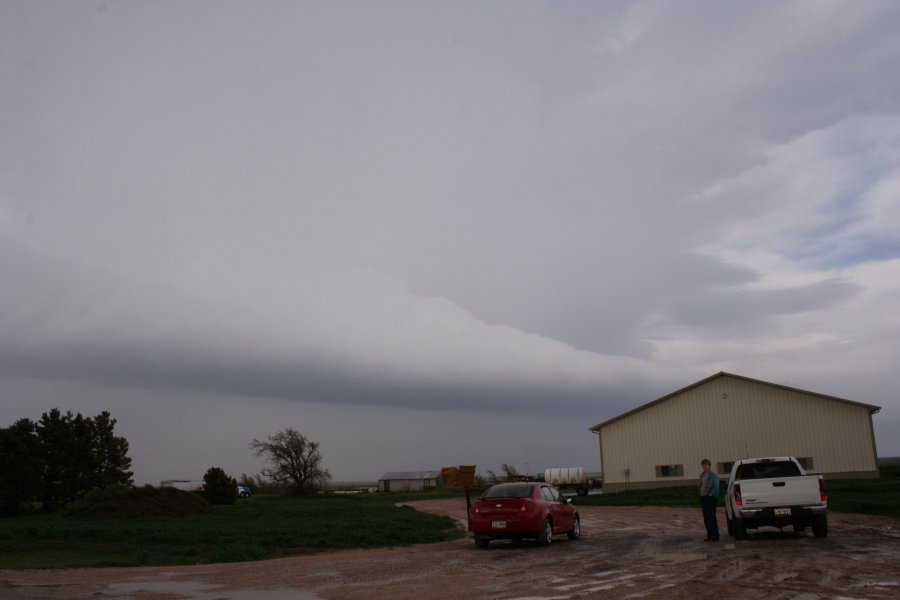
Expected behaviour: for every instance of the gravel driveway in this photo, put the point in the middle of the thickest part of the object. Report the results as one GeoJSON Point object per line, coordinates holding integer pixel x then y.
{"type": "Point", "coordinates": [623, 553]}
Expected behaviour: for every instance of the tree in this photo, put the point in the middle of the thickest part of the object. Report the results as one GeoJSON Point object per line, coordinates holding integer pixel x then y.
{"type": "Point", "coordinates": [79, 454]}
{"type": "Point", "coordinates": [60, 457]}
{"type": "Point", "coordinates": [20, 466]}
{"type": "Point", "coordinates": [111, 464]}
{"type": "Point", "coordinates": [219, 487]}
{"type": "Point", "coordinates": [295, 461]}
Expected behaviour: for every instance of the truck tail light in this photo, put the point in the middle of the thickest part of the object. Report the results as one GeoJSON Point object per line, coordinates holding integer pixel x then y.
{"type": "Point", "coordinates": [822, 490]}
{"type": "Point", "coordinates": [737, 495]}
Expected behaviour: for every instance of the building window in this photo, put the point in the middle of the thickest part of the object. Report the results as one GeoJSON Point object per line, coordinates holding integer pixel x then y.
{"type": "Point", "coordinates": [806, 462]}
{"type": "Point", "coordinates": [669, 470]}
{"type": "Point", "coordinates": [725, 467]}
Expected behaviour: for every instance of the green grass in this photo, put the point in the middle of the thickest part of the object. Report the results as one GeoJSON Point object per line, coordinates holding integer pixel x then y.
{"type": "Point", "coordinates": [867, 496]}
{"type": "Point", "coordinates": [255, 528]}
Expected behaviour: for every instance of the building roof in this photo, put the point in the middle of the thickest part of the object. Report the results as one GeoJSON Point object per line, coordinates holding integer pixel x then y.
{"type": "Point", "coordinates": [394, 475]}
{"type": "Point", "coordinates": [596, 428]}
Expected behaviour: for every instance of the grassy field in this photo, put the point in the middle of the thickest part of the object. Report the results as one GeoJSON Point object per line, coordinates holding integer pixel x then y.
{"type": "Point", "coordinates": [867, 496]}
{"type": "Point", "coordinates": [255, 528]}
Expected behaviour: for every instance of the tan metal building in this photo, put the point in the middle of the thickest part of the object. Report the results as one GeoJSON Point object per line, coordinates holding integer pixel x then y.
{"type": "Point", "coordinates": [726, 417]}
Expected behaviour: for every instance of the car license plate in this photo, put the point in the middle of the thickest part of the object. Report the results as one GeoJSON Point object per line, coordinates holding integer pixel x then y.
{"type": "Point", "coordinates": [782, 512]}
{"type": "Point", "coordinates": [498, 524]}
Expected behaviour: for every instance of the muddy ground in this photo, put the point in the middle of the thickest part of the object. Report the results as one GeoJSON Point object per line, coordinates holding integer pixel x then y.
{"type": "Point", "coordinates": [623, 553]}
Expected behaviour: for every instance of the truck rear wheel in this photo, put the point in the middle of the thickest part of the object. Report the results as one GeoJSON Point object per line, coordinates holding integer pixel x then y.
{"type": "Point", "coordinates": [740, 529]}
{"type": "Point", "coordinates": [820, 525]}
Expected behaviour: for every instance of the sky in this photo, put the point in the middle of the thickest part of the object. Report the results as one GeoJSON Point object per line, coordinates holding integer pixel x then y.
{"type": "Point", "coordinates": [437, 233]}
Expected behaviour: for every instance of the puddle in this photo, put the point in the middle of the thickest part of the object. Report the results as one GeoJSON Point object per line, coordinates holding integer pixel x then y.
{"type": "Point", "coordinates": [683, 557]}
{"type": "Point", "coordinates": [609, 584]}
{"type": "Point", "coordinates": [198, 590]}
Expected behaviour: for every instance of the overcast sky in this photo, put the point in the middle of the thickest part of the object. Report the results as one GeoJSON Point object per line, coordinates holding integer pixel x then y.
{"type": "Point", "coordinates": [438, 233]}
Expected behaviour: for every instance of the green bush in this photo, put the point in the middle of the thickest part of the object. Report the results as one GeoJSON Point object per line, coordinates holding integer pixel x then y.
{"type": "Point", "coordinates": [219, 487]}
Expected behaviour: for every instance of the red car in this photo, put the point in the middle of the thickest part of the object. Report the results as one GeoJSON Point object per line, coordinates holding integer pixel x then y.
{"type": "Point", "coordinates": [522, 510]}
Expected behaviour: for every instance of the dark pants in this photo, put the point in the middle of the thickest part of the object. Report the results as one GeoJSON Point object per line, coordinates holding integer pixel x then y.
{"type": "Point", "coordinates": [708, 504]}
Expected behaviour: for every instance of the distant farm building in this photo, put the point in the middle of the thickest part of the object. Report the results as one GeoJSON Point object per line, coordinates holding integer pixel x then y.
{"type": "Point", "coordinates": [726, 417]}
{"type": "Point", "coordinates": [410, 481]}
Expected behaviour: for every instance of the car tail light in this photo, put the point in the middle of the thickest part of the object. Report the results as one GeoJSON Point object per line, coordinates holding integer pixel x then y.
{"type": "Point", "coordinates": [526, 506]}
{"type": "Point", "coordinates": [822, 490]}
{"type": "Point", "coordinates": [737, 495]}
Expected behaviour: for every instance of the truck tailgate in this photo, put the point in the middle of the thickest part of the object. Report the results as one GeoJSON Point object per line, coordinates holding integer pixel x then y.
{"type": "Point", "coordinates": [789, 491]}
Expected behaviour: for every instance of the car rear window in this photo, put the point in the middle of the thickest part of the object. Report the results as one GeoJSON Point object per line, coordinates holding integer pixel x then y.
{"type": "Point", "coordinates": [780, 468]}
{"type": "Point", "coordinates": [522, 490]}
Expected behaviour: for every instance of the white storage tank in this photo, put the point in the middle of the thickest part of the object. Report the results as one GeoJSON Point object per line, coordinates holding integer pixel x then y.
{"type": "Point", "coordinates": [563, 476]}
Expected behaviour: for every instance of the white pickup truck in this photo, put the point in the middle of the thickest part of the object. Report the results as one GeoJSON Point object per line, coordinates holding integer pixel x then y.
{"type": "Point", "coordinates": [775, 492]}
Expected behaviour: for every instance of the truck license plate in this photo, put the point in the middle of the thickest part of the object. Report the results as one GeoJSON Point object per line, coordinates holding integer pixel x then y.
{"type": "Point", "coordinates": [782, 512]}
{"type": "Point", "coordinates": [498, 524]}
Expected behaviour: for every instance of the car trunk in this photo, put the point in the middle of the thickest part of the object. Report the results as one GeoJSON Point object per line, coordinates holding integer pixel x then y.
{"type": "Point", "coordinates": [500, 507]}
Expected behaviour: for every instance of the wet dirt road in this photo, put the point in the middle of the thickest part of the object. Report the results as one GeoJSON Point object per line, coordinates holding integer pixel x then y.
{"type": "Point", "coordinates": [623, 553]}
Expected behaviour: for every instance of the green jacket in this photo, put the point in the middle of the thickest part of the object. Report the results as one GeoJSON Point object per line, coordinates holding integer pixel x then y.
{"type": "Point", "coordinates": [712, 484]}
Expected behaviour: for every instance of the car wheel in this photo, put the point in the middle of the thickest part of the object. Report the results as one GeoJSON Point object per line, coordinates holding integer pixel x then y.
{"type": "Point", "coordinates": [820, 526]}
{"type": "Point", "coordinates": [575, 532]}
{"type": "Point", "coordinates": [740, 529]}
{"type": "Point", "coordinates": [546, 536]}
{"type": "Point", "coordinates": [482, 541]}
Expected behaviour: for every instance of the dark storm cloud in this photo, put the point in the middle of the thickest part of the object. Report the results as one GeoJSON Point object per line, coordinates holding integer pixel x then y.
{"type": "Point", "coordinates": [79, 323]}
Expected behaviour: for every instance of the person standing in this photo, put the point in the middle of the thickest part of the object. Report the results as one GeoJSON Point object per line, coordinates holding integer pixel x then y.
{"type": "Point", "coordinates": [709, 499]}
